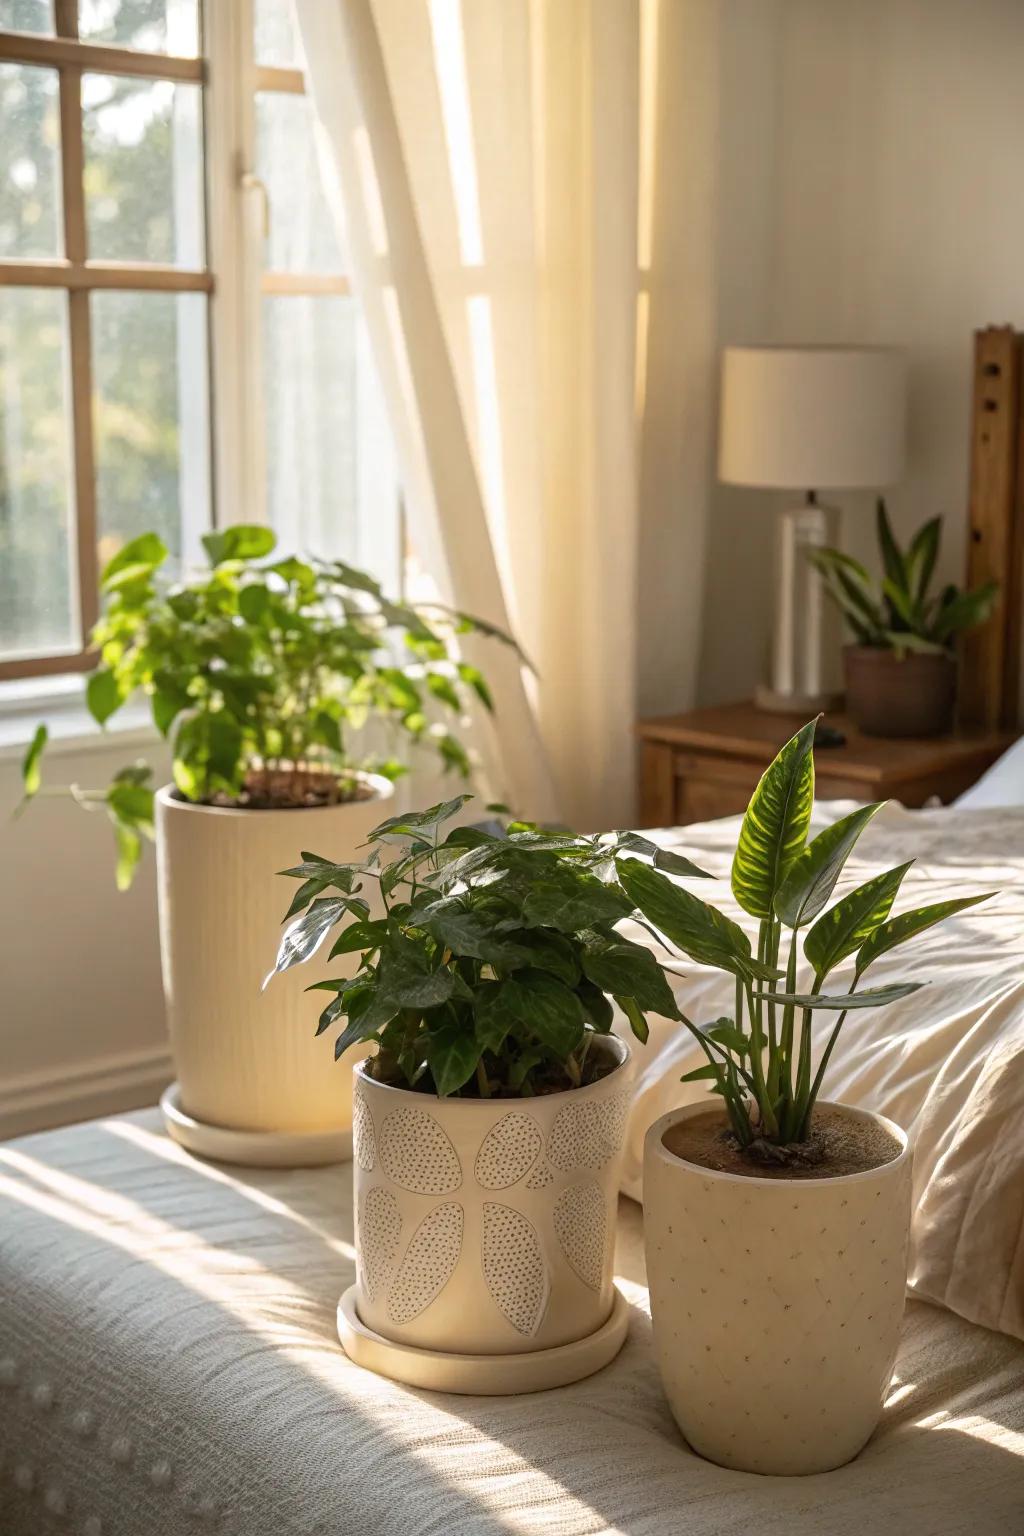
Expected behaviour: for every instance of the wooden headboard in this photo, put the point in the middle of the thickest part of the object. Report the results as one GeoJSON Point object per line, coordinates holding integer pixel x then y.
{"type": "Point", "coordinates": [991, 659]}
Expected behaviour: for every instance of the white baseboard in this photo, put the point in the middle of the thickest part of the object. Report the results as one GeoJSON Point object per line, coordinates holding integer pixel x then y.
{"type": "Point", "coordinates": [58, 1095]}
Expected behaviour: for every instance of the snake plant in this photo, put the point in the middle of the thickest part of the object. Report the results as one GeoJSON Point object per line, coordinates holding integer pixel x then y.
{"type": "Point", "coordinates": [903, 614]}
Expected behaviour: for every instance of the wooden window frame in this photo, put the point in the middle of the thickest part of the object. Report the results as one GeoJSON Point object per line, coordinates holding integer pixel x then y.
{"type": "Point", "coordinates": [78, 277]}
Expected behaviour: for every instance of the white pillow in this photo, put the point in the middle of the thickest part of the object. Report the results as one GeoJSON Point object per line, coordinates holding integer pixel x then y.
{"type": "Point", "coordinates": [1002, 784]}
{"type": "Point", "coordinates": [946, 1063]}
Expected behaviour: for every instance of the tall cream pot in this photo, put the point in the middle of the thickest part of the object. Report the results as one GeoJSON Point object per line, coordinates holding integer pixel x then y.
{"type": "Point", "coordinates": [248, 1059]}
{"type": "Point", "coordinates": [776, 1303]}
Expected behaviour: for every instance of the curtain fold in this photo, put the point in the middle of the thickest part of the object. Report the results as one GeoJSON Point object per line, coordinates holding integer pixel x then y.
{"type": "Point", "coordinates": [498, 162]}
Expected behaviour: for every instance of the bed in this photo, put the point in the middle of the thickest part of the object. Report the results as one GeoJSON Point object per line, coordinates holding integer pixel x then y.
{"type": "Point", "coordinates": [168, 1359]}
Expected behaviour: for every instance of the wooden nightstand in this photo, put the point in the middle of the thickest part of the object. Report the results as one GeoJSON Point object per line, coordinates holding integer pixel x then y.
{"type": "Point", "coordinates": [704, 764]}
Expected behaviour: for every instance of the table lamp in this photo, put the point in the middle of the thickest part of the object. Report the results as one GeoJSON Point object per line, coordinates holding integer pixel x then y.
{"type": "Point", "coordinates": [809, 419]}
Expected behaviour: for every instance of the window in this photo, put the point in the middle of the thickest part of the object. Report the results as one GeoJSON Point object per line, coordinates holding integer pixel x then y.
{"type": "Point", "coordinates": [114, 159]}
{"type": "Point", "coordinates": [103, 294]}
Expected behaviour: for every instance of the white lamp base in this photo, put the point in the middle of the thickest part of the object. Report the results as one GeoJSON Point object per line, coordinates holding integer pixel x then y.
{"type": "Point", "coordinates": [805, 675]}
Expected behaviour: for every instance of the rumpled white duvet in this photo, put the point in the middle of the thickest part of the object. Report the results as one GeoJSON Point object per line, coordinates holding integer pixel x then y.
{"type": "Point", "coordinates": [946, 1063]}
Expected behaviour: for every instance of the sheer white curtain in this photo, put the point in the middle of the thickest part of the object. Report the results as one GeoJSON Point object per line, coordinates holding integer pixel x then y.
{"type": "Point", "coordinates": [519, 248]}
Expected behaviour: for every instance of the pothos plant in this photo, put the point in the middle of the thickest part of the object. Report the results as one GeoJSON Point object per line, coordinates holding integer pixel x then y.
{"type": "Point", "coordinates": [759, 1059]}
{"type": "Point", "coordinates": [262, 670]}
{"type": "Point", "coordinates": [492, 964]}
{"type": "Point", "coordinates": [904, 615]}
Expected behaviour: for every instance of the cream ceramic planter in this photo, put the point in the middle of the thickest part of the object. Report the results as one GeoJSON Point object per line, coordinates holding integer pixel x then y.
{"type": "Point", "coordinates": [485, 1234]}
{"type": "Point", "coordinates": [254, 1083]}
{"type": "Point", "coordinates": [776, 1304]}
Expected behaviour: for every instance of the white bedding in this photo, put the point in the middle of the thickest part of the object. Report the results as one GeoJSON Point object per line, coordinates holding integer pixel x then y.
{"type": "Point", "coordinates": [947, 1063]}
{"type": "Point", "coordinates": [169, 1366]}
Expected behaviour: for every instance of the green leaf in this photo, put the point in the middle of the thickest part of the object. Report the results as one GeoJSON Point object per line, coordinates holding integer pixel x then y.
{"type": "Point", "coordinates": [625, 969]}
{"type": "Point", "coordinates": [842, 929]}
{"type": "Point", "coordinates": [31, 763]}
{"type": "Point", "coordinates": [240, 541]}
{"type": "Point", "coordinates": [103, 695]}
{"type": "Point", "coordinates": [415, 823]}
{"type": "Point", "coordinates": [132, 804]}
{"type": "Point", "coordinates": [129, 851]}
{"type": "Point", "coordinates": [724, 1032]}
{"type": "Point", "coordinates": [444, 689]}
{"type": "Point", "coordinates": [303, 896]}
{"type": "Point", "coordinates": [662, 858]}
{"type": "Point", "coordinates": [906, 640]}
{"type": "Point", "coordinates": [872, 997]}
{"type": "Point", "coordinates": [474, 678]}
{"type": "Point", "coordinates": [544, 951]}
{"type": "Point", "coordinates": [892, 555]}
{"type": "Point", "coordinates": [908, 925]}
{"type": "Point", "coordinates": [253, 602]}
{"type": "Point", "coordinates": [634, 1013]}
{"type": "Point", "coordinates": [360, 937]}
{"type": "Point", "coordinates": [306, 934]}
{"type": "Point", "coordinates": [922, 555]}
{"type": "Point", "coordinates": [901, 603]}
{"type": "Point", "coordinates": [167, 701]}
{"type": "Point", "coordinates": [147, 552]}
{"type": "Point", "coordinates": [534, 1002]}
{"type": "Point", "coordinates": [695, 927]}
{"type": "Point", "coordinates": [406, 979]}
{"type": "Point", "coordinates": [452, 1054]}
{"type": "Point", "coordinates": [966, 610]}
{"type": "Point", "coordinates": [775, 826]}
{"type": "Point", "coordinates": [702, 1074]}
{"type": "Point", "coordinates": [597, 1010]}
{"type": "Point", "coordinates": [812, 878]}
{"type": "Point", "coordinates": [569, 899]}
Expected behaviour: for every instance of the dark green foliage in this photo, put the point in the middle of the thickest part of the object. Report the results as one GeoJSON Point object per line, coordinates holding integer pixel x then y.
{"type": "Point", "coordinates": [491, 970]}
{"type": "Point", "coordinates": [901, 616]}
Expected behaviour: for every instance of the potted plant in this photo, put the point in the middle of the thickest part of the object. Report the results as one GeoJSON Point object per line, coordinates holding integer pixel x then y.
{"type": "Point", "coordinates": [489, 1119]}
{"type": "Point", "coordinates": [261, 670]}
{"type": "Point", "coordinates": [901, 672]}
{"type": "Point", "coordinates": [776, 1223]}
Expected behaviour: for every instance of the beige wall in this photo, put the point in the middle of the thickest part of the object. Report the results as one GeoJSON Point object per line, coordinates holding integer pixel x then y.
{"type": "Point", "coordinates": [81, 1010]}
{"type": "Point", "coordinates": [871, 189]}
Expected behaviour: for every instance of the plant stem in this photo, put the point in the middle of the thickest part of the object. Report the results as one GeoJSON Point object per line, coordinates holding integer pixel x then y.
{"type": "Point", "coordinates": [764, 1104]}
{"type": "Point", "coordinates": [482, 1080]}
{"type": "Point", "coordinates": [807, 1109]}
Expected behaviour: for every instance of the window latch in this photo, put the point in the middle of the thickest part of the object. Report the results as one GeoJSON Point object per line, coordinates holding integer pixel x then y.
{"type": "Point", "coordinates": [250, 182]}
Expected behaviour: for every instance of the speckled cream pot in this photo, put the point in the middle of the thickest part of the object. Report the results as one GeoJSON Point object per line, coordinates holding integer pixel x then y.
{"type": "Point", "coordinates": [248, 1060]}
{"type": "Point", "coordinates": [776, 1303]}
{"type": "Point", "coordinates": [487, 1226]}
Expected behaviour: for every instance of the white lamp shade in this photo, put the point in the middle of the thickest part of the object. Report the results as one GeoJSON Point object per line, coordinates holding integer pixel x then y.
{"type": "Point", "coordinates": [812, 418]}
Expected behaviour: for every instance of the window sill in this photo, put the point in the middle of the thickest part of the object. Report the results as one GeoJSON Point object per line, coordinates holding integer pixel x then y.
{"type": "Point", "coordinates": [59, 704]}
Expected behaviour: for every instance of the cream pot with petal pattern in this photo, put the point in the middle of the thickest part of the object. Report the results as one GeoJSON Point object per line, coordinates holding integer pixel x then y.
{"type": "Point", "coordinates": [488, 1122]}
{"type": "Point", "coordinates": [487, 1227]}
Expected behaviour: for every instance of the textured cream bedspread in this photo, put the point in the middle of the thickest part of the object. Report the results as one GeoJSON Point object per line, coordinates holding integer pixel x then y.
{"type": "Point", "coordinates": [168, 1363]}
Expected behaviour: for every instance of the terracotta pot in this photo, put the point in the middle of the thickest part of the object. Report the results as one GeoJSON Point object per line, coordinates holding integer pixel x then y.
{"type": "Point", "coordinates": [888, 693]}
{"type": "Point", "coordinates": [777, 1303]}
{"type": "Point", "coordinates": [486, 1227]}
{"type": "Point", "coordinates": [248, 1060]}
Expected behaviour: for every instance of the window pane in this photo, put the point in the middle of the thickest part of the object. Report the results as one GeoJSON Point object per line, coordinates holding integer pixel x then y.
{"type": "Point", "coordinates": [30, 221]}
{"type": "Point", "coordinates": [276, 37]}
{"type": "Point", "coordinates": [143, 170]}
{"type": "Point", "coordinates": [303, 234]}
{"type": "Point", "coordinates": [36, 550]}
{"type": "Point", "coordinates": [154, 26]}
{"type": "Point", "coordinates": [26, 16]}
{"type": "Point", "coordinates": [151, 418]}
